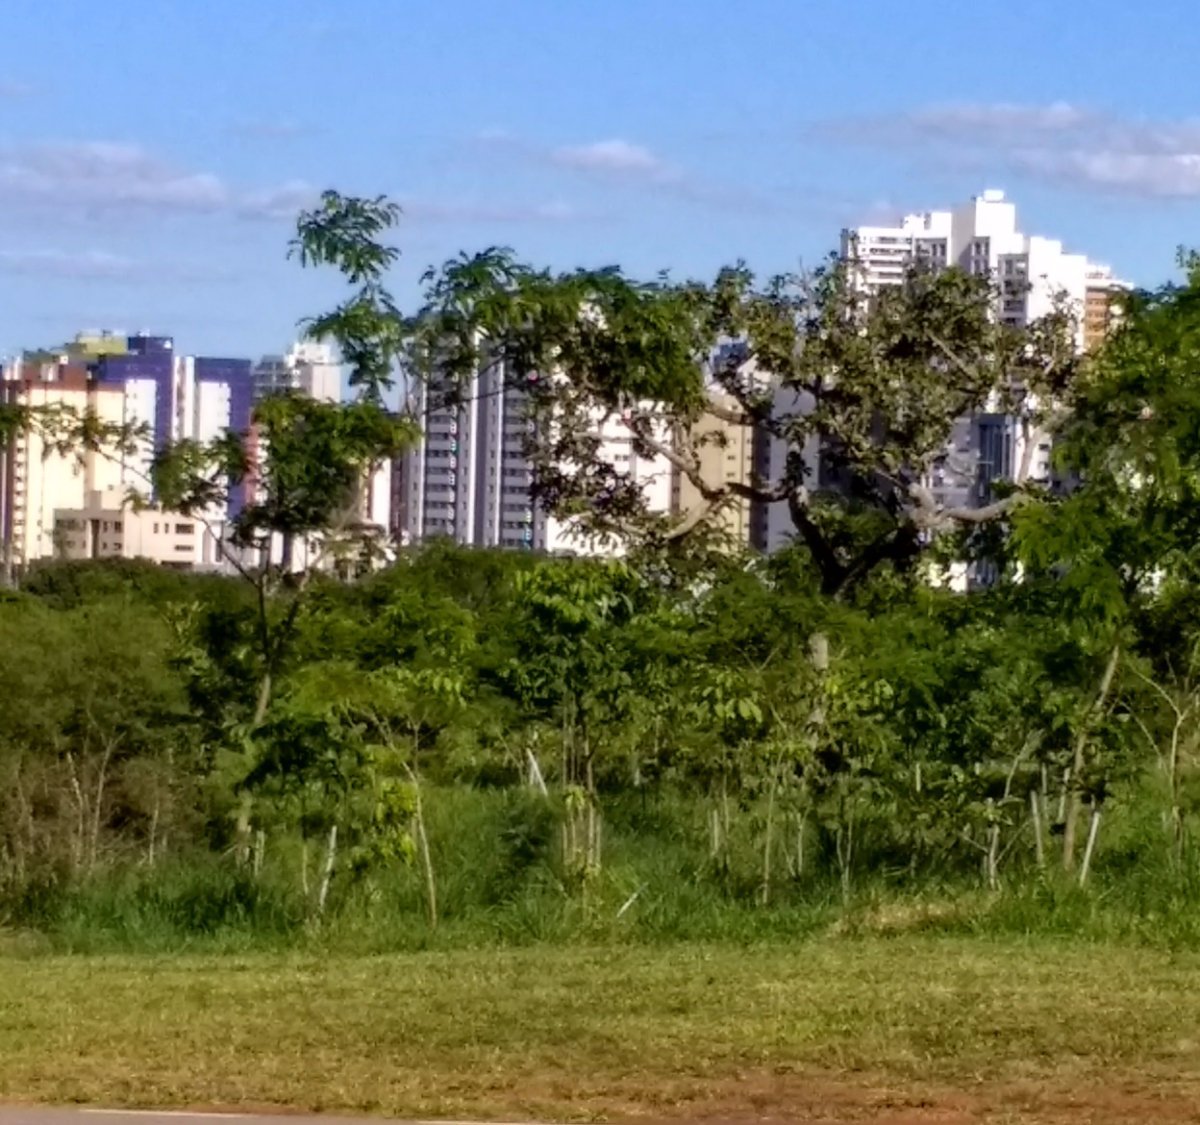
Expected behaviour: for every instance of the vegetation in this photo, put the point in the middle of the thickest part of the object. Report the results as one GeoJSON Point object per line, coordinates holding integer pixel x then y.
{"type": "Point", "coordinates": [690, 742]}
{"type": "Point", "coordinates": [904, 794]}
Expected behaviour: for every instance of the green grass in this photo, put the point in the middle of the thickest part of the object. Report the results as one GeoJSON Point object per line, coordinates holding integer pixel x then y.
{"type": "Point", "coordinates": [500, 885]}
{"type": "Point", "coordinates": [590, 1031]}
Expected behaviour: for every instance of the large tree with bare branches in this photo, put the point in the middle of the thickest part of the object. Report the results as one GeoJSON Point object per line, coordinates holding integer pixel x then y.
{"type": "Point", "coordinates": [859, 393]}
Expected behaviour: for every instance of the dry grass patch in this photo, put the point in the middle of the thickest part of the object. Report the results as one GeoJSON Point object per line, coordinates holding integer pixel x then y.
{"type": "Point", "coordinates": [600, 1032]}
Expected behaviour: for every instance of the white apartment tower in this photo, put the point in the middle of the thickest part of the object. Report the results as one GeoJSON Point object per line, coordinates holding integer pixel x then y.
{"type": "Point", "coordinates": [1032, 273]}
{"type": "Point", "coordinates": [309, 368]}
{"type": "Point", "coordinates": [982, 238]}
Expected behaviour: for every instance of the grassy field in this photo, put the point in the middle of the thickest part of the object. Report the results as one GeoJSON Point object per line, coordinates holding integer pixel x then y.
{"type": "Point", "coordinates": [904, 1029]}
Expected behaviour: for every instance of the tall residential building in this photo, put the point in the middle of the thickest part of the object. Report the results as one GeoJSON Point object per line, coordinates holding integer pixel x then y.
{"type": "Point", "coordinates": [144, 371]}
{"type": "Point", "coordinates": [1102, 305]}
{"type": "Point", "coordinates": [725, 452]}
{"type": "Point", "coordinates": [309, 368]}
{"type": "Point", "coordinates": [35, 478]}
{"type": "Point", "coordinates": [1032, 274]}
{"type": "Point", "coordinates": [469, 480]}
{"type": "Point", "coordinates": [981, 237]}
{"type": "Point", "coordinates": [136, 381]}
{"type": "Point", "coordinates": [758, 457]}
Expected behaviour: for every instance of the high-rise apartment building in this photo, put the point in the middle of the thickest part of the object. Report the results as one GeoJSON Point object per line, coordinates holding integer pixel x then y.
{"type": "Point", "coordinates": [1101, 305]}
{"type": "Point", "coordinates": [308, 368]}
{"type": "Point", "coordinates": [469, 479]}
{"type": "Point", "coordinates": [724, 451]}
{"type": "Point", "coordinates": [36, 478]}
{"type": "Point", "coordinates": [1032, 274]}
{"type": "Point", "coordinates": [176, 397]}
{"type": "Point", "coordinates": [46, 493]}
{"type": "Point", "coordinates": [982, 237]}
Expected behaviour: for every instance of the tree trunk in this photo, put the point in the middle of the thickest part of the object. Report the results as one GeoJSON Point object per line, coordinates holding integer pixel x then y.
{"type": "Point", "coordinates": [98, 807]}
{"type": "Point", "coordinates": [1177, 825]}
{"type": "Point", "coordinates": [993, 849]}
{"type": "Point", "coordinates": [327, 873]}
{"type": "Point", "coordinates": [264, 697]}
{"type": "Point", "coordinates": [1036, 816]}
{"type": "Point", "coordinates": [593, 816]}
{"type": "Point", "coordinates": [431, 904]}
{"type": "Point", "coordinates": [767, 841]}
{"type": "Point", "coordinates": [800, 828]}
{"type": "Point", "coordinates": [242, 829]}
{"type": "Point", "coordinates": [1090, 847]}
{"type": "Point", "coordinates": [536, 780]}
{"type": "Point", "coordinates": [844, 841]}
{"type": "Point", "coordinates": [77, 843]}
{"type": "Point", "coordinates": [1074, 801]}
{"type": "Point", "coordinates": [153, 841]}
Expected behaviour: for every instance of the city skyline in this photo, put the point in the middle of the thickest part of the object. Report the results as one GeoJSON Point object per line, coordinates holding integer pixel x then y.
{"type": "Point", "coordinates": [157, 194]}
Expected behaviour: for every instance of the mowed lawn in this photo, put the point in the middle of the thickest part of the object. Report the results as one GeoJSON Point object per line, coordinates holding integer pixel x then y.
{"type": "Point", "coordinates": [865, 1028]}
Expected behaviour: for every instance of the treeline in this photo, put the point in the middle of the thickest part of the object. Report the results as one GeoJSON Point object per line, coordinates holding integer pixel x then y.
{"type": "Point", "coordinates": [515, 747]}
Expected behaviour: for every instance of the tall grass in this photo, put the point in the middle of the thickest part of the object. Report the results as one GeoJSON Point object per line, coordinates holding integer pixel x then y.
{"type": "Point", "coordinates": [500, 882]}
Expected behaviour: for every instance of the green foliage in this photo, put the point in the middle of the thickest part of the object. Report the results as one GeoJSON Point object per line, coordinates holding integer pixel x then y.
{"type": "Point", "coordinates": [670, 745]}
{"type": "Point", "coordinates": [344, 232]}
{"type": "Point", "coordinates": [878, 382]}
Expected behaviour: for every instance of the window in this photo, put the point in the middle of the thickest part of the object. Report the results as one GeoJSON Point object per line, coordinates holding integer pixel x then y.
{"type": "Point", "coordinates": [184, 529]}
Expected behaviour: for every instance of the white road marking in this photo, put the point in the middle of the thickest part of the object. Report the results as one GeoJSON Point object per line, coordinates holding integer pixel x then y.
{"type": "Point", "coordinates": [281, 1118]}
{"type": "Point", "coordinates": [169, 1113]}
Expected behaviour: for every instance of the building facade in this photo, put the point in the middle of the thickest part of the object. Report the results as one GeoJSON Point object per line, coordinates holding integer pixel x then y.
{"type": "Point", "coordinates": [36, 478]}
{"type": "Point", "coordinates": [1033, 276]}
{"type": "Point", "coordinates": [725, 455]}
{"type": "Point", "coordinates": [308, 368]}
{"type": "Point", "coordinates": [136, 381]}
{"type": "Point", "coordinates": [107, 527]}
{"type": "Point", "coordinates": [469, 480]}
{"type": "Point", "coordinates": [982, 237]}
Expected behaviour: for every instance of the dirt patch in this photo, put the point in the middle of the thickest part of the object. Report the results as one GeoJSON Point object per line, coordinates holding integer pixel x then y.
{"type": "Point", "coordinates": [823, 1099]}
{"type": "Point", "coordinates": [819, 1098]}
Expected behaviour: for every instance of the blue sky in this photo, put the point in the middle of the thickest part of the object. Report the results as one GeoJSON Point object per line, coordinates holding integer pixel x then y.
{"type": "Point", "coordinates": [152, 154]}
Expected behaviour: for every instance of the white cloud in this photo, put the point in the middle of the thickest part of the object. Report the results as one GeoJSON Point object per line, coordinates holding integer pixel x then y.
{"type": "Point", "coordinates": [1161, 175]}
{"type": "Point", "coordinates": [612, 156]}
{"type": "Point", "coordinates": [1060, 142]}
{"type": "Point", "coordinates": [971, 117]}
{"type": "Point", "coordinates": [442, 212]}
{"type": "Point", "coordinates": [87, 264]}
{"type": "Point", "coordinates": [91, 265]}
{"type": "Point", "coordinates": [283, 202]}
{"type": "Point", "coordinates": [103, 174]}
{"type": "Point", "coordinates": [104, 177]}
{"type": "Point", "coordinates": [635, 165]}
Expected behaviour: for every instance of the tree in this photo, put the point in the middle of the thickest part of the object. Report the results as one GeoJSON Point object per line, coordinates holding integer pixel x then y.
{"type": "Point", "coordinates": [573, 675]}
{"type": "Point", "coordinates": [306, 462]}
{"type": "Point", "coordinates": [1120, 544]}
{"type": "Point", "coordinates": [860, 390]}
